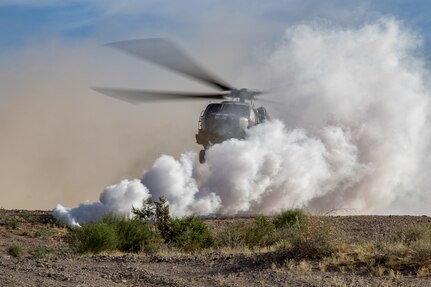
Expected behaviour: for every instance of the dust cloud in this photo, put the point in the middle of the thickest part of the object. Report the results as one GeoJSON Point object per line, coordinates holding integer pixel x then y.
{"type": "Point", "coordinates": [63, 142]}
{"type": "Point", "coordinates": [352, 134]}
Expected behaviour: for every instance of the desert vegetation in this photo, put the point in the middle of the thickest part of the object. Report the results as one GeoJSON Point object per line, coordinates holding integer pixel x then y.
{"type": "Point", "coordinates": [289, 242]}
{"type": "Point", "coordinates": [296, 237]}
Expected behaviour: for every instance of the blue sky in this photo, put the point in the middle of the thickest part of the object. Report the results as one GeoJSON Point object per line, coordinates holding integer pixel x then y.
{"type": "Point", "coordinates": [23, 22]}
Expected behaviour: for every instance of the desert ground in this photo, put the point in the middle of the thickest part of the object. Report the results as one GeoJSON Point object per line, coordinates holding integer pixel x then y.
{"type": "Point", "coordinates": [44, 258]}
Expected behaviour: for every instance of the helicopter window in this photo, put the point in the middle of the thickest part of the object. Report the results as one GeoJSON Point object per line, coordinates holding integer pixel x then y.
{"type": "Point", "coordinates": [242, 110]}
{"type": "Point", "coordinates": [213, 108]}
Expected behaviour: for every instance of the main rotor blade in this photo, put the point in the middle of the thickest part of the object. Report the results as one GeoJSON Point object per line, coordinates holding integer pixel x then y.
{"type": "Point", "coordinates": [139, 96]}
{"type": "Point", "coordinates": [166, 54]}
{"type": "Point", "coordinates": [267, 101]}
{"type": "Point", "coordinates": [264, 100]}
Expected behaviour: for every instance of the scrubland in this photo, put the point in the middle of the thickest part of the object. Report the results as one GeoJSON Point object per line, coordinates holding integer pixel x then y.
{"type": "Point", "coordinates": [290, 248]}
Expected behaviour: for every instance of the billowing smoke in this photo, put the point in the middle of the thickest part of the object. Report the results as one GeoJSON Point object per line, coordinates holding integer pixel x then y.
{"type": "Point", "coordinates": [118, 199]}
{"type": "Point", "coordinates": [353, 134]}
{"type": "Point", "coordinates": [371, 83]}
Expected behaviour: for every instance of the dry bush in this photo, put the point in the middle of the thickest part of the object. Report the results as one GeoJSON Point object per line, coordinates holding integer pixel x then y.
{"type": "Point", "coordinates": [421, 251]}
{"type": "Point", "coordinates": [41, 252]}
{"type": "Point", "coordinates": [12, 223]}
{"type": "Point", "coordinates": [290, 264]}
{"type": "Point", "coordinates": [315, 241]}
{"type": "Point", "coordinates": [408, 252]}
{"type": "Point", "coordinates": [304, 266]}
{"type": "Point", "coordinates": [259, 233]}
{"type": "Point", "coordinates": [15, 251]}
{"type": "Point", "coordinates": [43, 233]}
{"type": "Point", "coordinates": [424, 271]}
{"type": "Point", "coordinates": [421, 232]}
{"type": "Point", "coordinates": [232, 236]}
{"type": "Point", "coordinates": [291, 218]}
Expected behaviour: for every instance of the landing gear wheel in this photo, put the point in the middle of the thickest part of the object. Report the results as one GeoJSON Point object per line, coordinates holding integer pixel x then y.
{"type": "Point", "coordinates": [202, 156]}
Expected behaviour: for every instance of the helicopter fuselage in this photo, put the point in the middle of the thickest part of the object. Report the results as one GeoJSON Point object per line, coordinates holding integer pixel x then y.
{"type": "Point", "coordinates": [226, 120]}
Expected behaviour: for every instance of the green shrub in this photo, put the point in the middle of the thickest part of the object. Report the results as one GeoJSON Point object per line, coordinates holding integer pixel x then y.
{"type": "Point", "coordinates": [111, 219]}
{"type": "Point", "coordinates": [157, 214]}
{"type": "Point", "coordinates": [15, 251]}
{"type": "Point", "coordinates": [291, 218]}
{"type": "Point", "coordinates": [261, 233]}
{"type": "Point", "coordinates": [133, 235]}
{"type": "Point", "coordinates": [163, 219]}
{"type": "Point", "coordinates": [189, 234]}
{"type": "Point", "coordinates": [147, 212]}
{"type": "Point", "coordinates": [40, 252]}
{"type": "Point", "coordinates": [115, 232]}
{"type": "Point", "coordinates": [24, 215]}
{"type": "Point", "coordinates": [95, 237]}
{"type": "Point", "coordinates": [12, 223]}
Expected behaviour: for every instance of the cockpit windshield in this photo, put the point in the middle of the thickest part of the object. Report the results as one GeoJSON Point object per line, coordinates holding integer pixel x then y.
{"type": "Point", "coordinates": [235, 109]}
{"type": "Point", "coordinates": [229, 108]}
{"type": "Point", "coordinates": [213, 108]}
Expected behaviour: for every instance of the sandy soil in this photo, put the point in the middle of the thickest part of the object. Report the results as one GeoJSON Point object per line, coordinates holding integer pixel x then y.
{"type": "Point", "coordinates": [47, 261]}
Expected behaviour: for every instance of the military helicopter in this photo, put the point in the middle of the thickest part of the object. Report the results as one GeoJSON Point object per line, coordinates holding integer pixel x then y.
{"type": "Point", "coordinates": [219, 121]}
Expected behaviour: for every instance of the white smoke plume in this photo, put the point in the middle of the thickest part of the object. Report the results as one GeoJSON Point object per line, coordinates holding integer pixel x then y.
{"type": "Point", "coordinates": [354, 134]}
{"type": "Point", "coordinates": [118, 199]}
{"type": "Point", "coordinates": [371, 82]}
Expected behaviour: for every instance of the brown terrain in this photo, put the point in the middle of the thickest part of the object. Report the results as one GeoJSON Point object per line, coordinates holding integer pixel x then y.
{"type": "Point", "coordinates": [45, 259]}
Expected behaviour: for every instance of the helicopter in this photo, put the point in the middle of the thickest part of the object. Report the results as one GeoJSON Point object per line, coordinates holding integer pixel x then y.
{"type": "Point", "coordinates": [218, 122]}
